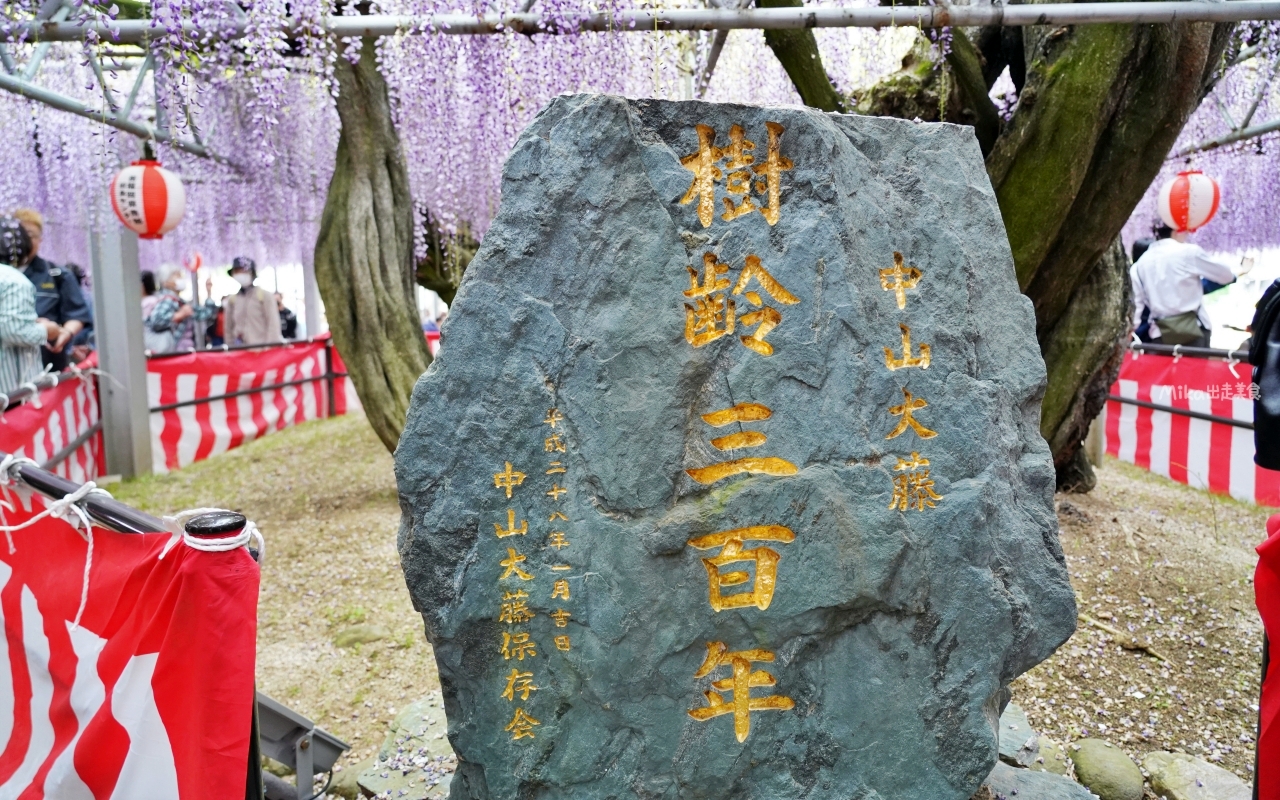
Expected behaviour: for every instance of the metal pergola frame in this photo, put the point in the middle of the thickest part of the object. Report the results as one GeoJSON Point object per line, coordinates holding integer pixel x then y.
{"type": "Point", "coordinates": [53, 25]}
{"type": "Point", "coordinates": [641, 20]}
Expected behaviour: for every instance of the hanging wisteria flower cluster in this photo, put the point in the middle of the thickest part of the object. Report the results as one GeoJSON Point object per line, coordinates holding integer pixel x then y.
{"type": "Point", "coordinates": [262, 101]}
{"type": "Point", "coordinates": [1248, 171]}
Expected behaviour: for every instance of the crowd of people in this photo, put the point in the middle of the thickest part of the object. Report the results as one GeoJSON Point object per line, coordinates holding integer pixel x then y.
{"type": "Point", "coordinates": [46, 310]}
{"type": "Point", "coordinates": [251, 316]}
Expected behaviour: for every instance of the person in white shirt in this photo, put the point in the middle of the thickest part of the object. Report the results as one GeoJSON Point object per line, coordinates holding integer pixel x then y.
{"type": "Point", "coordinates": [1166, 284]}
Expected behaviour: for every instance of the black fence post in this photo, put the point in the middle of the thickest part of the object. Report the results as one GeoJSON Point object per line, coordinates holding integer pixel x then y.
{"type": "Point", "coordinates": [328, 374]}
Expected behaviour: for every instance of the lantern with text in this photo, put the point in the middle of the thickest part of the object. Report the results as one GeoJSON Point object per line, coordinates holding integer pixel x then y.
{"type": "Point", "coordinates": [1189, 200]}
{"type": "Point", "coordinates": [148, 199]}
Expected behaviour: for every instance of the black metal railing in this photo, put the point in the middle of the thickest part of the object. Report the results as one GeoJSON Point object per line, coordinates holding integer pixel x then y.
{"type": "Point", "coordinates": [1240, 356]}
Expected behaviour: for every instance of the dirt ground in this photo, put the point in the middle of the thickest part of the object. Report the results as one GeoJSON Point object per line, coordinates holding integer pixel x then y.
{"type": "Point", "coordinates": [1155, 565]}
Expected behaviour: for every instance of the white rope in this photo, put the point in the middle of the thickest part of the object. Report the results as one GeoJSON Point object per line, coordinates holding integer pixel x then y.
{"type": "Point", "coordinates": [9, 467]}
{"type": "Point", "coordinates": [59, 509]}
{"type": "Point", "coordinates": [176, 525]}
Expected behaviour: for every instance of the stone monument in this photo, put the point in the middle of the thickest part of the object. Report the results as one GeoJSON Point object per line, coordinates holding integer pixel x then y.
{"type": "Point", "coordinates": [728, 481]}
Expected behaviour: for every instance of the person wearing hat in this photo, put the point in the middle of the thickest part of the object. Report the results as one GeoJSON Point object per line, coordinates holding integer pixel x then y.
{"type": "Point", "coordinates": [58, 294]}
{"type": "Point", "coordinates": [250, 315]}
{"type": "Point", "coordinates": [21, 331]}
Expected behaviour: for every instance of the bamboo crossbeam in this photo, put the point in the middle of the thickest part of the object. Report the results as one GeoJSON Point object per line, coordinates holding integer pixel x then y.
{"type": "Point", "coordinates": [646, 20]}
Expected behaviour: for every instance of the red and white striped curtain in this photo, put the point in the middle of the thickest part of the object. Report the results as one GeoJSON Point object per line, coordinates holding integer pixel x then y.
{"type": "Point", "coordinates": [196, 431]}
{"type": "Point", "coordinates": [1198, 452]}
{"type": "Point", "coordinates": [43, 428]}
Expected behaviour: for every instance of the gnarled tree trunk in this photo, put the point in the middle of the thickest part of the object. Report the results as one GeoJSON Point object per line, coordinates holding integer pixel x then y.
{"type": "Point", "coordinates": [1099, 109]}
{"type": "Point", "coordinates": [364, 254]}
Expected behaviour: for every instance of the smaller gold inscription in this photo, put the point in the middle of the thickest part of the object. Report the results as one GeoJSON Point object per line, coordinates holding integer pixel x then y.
{"type": "Point", "coordinates": [512, 564]}
{"type": "Point", "coordinates": [557, 540]}
{"type": "Point", "coordinates": [519, 683]}
{"type": "Point", "coordinates": [899, 278]}
{"type": "Point", "coordinates": [554, 417]}
{"type": "Point", "coordinates": [562, 643]}
{"type": "Point", "coordinates": [515, 608]}
{"type": "Point", "coordinates": [913, 488]}
{"type": "Point", "coordinates": [508, 479]}
{"type": "Point", "coordinates": [909, 406]}
{"type": "Point", "coordinates": [908, 359]}
{"type": "Point", "coordinates": [512, 529]}
{"type": "Point", "coordinates": [553, 444]}
{"type": "Point", "coordinates": [560, 590]}
{"type": "Point", "coordinates": [561, 617]}
{"type": "Point", "coordinates": [521, 726]}
{"type": "Point", "coordinates": [517, 646]}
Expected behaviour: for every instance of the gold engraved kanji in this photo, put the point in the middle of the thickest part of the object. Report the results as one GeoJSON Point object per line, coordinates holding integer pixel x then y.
{"type": "Point", "coordinates": [742, 412]}
{"type": "Point", "coordinates": [766, 318]}
{"type": "Point", "coordinates": [764, 559]}
{"type": "Point", "coordinates": [738, 174]}
{"type": "Point", "coordinates": [562, 643]}
{"type": "Point", "coordinates": [712, 314]}
{"type": "Point", "coordinates": [512, 566]}
{"type": "Point", "coordinates": [512, 529]}
{"type": "Point", "coordinates": [515, 608]}
{"type": "Point", "coordinates": [705, 174]}
{"type": "Point", "coordinates": [560, 590]}
{"type": "Point", "coordinates": [521, 726]}
{"type": "Point", "coordinates": [909, 406]}
{"type": "Point", "coordinates": [908, 358]}
{"type": "Point", "coordinates": [517, 646]}
{"type": "Point", "coordinates": [508, 479]}
{"type": "Point", "coordinates": [519, 683]}
{"type": "Point", "coordinates": [913, 488]}
{"type": "Point", "coordinates": [557, 540]}
{"type": "Point", "coordinates": [899, 278]}
{"type": "Point", "coordinates": [740, 684]}
{"type": "Point", "coordinates": [741, 174]}
{"type": "Point", "coordinates": [554, 417]}
{"type": "Point", "coordinates": [553, 444]}
{"type": "Point", "coordinates": [561, 617]}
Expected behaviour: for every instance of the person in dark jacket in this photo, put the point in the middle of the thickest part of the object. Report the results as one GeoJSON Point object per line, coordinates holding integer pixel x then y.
{"type": "Point", "coordinates": [58, 294]}
{"type": "Point", "coordinates": [288, 319]}
{"type": "Point", "coordinates": [1264, 355]}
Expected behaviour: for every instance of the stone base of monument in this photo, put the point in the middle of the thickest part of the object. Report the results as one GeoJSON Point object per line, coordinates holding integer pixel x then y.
{"type": "Point", "coordinates": [415, 761]}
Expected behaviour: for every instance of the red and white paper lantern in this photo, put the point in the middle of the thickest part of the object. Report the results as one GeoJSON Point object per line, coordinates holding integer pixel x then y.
{"type": "Point", "coordinates": [148, 199]}
{"type": "Point", "coordinates": [1189, 200]}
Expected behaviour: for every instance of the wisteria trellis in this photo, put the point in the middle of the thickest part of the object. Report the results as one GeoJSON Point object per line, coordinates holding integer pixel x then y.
{"type": "Point", "coordinates": [266, 103]}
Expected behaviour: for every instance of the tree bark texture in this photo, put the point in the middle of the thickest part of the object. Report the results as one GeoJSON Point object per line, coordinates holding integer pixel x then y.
{"type": "Point", "coordinates": [798, 52]}
{"type": "Point", "coordinates": [364, 254]}
{"type": "Point", "coordinates": [1099, 107]}
{"type": "Point", "coordinates": [1085, 350]}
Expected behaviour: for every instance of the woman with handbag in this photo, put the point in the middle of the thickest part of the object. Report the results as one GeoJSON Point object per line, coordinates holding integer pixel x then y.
{"type": "Point", "coordinates": [1167, 284]}
{"type": "Point", "coordinates": [170, 327]}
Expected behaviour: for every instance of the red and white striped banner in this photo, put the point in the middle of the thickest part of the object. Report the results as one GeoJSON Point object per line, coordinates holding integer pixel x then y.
{"type": "Point", "coordinates": [1198, 452]}
{"type": "Point", "coordinates": [193, 432]}
{"type": "Point", "coordinates": [43, 427]}
{"type": "Point", "coordinates": [136, 685]}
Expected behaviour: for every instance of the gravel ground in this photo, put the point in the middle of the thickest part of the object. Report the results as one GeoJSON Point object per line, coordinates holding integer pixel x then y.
{"type": "Point", "coordinates": [1155, 565]}
{"type": "Point", "coordinates": [1168, 652]}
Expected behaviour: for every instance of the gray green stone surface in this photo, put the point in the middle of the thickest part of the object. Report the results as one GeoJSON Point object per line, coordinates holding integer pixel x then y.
{"type": "Point", "coordinates": [1106, 770]}
{"type": "Point", "coordinates": [892, 631]}
{"type": "Point", "coordinates": [1010, 783]}
{"type": "Point", "coordinates": [1019, 744]}
{"type": "Point", "coordinates": [1178, 776]}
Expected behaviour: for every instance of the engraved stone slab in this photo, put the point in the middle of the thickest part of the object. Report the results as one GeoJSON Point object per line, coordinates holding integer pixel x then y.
{"type": "Point", "coordinates": [728, 482]}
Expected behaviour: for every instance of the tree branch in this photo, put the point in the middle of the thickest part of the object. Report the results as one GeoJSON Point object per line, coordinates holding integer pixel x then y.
{"type": "Point", "coordinates": [797, 50]}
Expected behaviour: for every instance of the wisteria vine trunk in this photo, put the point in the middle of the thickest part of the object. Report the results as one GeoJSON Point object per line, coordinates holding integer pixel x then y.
{"type": "Point", "coordinates": [364, 252]}
{"type": "Point", "coordinates": [1099, 107]}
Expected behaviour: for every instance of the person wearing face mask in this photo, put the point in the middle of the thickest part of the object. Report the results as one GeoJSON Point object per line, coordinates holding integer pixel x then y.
{"type": "Point", "coordinates": [171, 324]}
{"type": "Point", "coordinates": [250, 315]}
{"type": "Point", "coordinates": [21, 331]}
{"type": "Point", "coordinates": [58, 295]}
